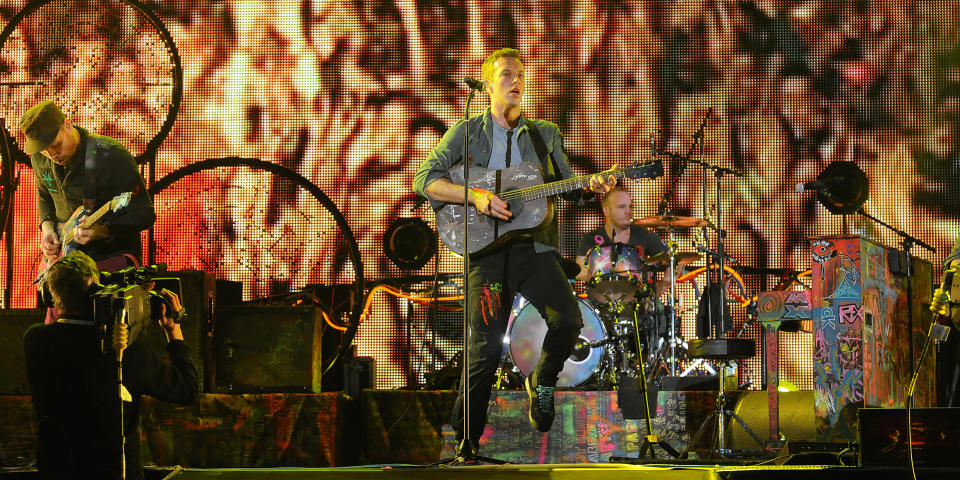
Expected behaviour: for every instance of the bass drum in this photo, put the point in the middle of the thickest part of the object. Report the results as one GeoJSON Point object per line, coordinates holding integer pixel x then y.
{"type": "Point", "coordinates": [525, 335]}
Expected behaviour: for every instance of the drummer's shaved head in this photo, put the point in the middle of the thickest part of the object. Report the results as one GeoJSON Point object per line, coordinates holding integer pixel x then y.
{"type": "Point", "coordinates": [609, 196]}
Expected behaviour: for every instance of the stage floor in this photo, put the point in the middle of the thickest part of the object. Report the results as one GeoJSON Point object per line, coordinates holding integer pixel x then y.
{"type": "Point", "coordinates": [575, 472]}
{"type": "Point", "coordinates": [578, 471]}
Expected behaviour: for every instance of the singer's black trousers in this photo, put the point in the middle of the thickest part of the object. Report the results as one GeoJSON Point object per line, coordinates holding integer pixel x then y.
{"type": "Point", "coordinates": [494, 281]}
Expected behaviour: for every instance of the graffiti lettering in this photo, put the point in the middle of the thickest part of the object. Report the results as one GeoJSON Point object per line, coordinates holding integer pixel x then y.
{"type": "Point", "coordinates": [850, 314]}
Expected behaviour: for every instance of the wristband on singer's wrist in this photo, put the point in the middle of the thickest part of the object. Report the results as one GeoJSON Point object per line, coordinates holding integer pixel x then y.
{"type": "Point", "coordinates": [479, 191]}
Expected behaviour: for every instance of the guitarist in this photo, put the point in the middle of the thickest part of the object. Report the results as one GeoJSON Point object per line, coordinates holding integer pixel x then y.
{"type": "Point", "coordinates": [75, 168]}
{"type": "Point", "coordinates": [948, 376]}
{"type": "Point", "coordinates": [527, 265]}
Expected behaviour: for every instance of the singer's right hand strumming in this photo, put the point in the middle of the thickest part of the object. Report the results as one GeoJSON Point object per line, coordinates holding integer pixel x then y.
{"type": "Point", "coordinates": [487, 203]}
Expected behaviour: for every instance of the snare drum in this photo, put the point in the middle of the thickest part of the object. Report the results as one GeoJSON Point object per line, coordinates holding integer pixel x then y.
{"type": "Point", "coordinates": [524, 340]}
{"type": "Point", "coordinates": [615, 273]}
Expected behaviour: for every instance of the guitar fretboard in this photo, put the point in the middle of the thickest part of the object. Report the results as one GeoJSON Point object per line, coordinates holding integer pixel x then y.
{"type": "Point", "coordinates": [91, 219]}
{"type": "Point", "coordinates": [555, 188]}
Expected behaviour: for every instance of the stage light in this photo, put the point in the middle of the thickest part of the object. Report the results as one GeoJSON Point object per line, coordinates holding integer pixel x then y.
{"type": "Point", "coordinates": [409, 243]}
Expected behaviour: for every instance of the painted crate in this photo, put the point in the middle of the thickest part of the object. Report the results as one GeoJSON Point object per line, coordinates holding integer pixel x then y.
{"type": "Point", "coordinates": [865, 342]}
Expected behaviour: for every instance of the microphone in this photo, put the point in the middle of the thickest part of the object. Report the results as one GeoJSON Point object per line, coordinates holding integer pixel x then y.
{"type": "Point", "coordinates": [653, 147]}
{"type": "Point", "coordinates": [819, 185]}
{"type": "Point", "coordinates": [473, 83]}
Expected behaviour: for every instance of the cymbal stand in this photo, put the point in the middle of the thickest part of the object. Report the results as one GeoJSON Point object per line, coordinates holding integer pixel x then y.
{"type": "Point", "coordinates": [672, 246]}
{"type": "Point", "coordinates": [718, 172]}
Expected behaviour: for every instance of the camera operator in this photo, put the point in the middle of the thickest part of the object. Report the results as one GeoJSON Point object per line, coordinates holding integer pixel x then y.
{"type": "Point", "coordinates": [73, 379]}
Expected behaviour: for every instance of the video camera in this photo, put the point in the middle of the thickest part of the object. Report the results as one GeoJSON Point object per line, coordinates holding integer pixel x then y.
{"type": "Point", "coordinates": [127, 296]}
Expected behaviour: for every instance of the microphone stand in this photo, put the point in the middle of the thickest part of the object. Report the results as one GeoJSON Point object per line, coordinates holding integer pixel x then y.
{"type": "Point", "coordinates": [939, 332]}
{"type": "Point", "coordinates": [718, 172]}
{"type": "Point", "coordinates": [465, 370]}
{"type": "Point", "coordinates": [9, 181]}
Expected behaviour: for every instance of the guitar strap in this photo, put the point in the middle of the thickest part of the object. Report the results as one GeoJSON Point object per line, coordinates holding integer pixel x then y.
{"type": "Point", "coordinates": [89, 166]}
{"type": "Point", "coordinates": [549, 167]}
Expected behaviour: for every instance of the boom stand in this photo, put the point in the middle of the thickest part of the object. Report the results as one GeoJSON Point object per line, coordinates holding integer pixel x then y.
{"type": "Point", "coordinates": [719, 349]}
{"type": "Point", "coordinates": [465, 373]}
{"type": "Point", "coordinates": [650, 440]}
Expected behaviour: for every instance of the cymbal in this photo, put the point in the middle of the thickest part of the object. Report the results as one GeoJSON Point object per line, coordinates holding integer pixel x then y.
{"type": "Point", "coordinates": [663, 258]}
{"type": "Point", "coordinates": [671, 222]}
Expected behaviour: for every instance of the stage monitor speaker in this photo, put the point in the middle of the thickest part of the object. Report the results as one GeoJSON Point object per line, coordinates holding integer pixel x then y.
{"type": "Point", "coordinates": [198, 294]}
{"type": "Point", "coordinates": [272, 348]}
{"type": "Point", "coordinates": [13, 364]}
{"type": "Point", "coordinates": [796, 418]}
{"type": "Point", "coordinates": [883, 437]}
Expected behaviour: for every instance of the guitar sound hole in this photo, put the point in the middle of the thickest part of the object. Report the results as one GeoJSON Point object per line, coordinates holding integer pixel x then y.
{"type": "Point", "coordinates": [516, 207]}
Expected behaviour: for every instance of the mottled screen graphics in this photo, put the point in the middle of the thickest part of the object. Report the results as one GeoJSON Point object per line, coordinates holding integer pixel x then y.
{"type": "Point", "coordinates": [349, 97]}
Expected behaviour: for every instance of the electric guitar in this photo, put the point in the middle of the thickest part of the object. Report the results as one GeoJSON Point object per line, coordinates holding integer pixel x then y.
{"type": "Point", "coordinates": [69, 227]}
{"type": "Point", "coordinates": [522, 187]}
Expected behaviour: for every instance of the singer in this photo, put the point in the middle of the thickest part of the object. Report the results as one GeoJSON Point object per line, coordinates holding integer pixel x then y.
{"type": "Point", "coordinates": [529, 265]}
{"type": "Point", "coordinates": [73, 383]}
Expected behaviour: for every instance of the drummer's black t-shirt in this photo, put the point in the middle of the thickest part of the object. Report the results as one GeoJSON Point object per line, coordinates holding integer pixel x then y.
{"type": "Point", "coordinates": [649, 242]}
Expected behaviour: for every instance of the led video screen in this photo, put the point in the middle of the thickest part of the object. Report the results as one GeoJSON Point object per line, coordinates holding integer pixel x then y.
{"type": "Point", "coordinates": [349, 97]}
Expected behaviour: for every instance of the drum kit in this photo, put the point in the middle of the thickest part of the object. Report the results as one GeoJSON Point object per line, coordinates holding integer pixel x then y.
{"type": "Point", "coordinates": [628, 329]}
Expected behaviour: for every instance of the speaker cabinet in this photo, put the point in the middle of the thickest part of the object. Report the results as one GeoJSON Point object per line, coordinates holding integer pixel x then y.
{"type": "Point", "coordinates": [13, 364]}
{"type": "Point", "coordinates": [268, 349]}
{"type": "Point", "coordinates": [198, 291]}
{"type": "Point", "coordinates": [883, 437]}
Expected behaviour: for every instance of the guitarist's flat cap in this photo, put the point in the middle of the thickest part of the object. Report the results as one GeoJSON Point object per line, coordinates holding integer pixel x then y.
{"type": "Point", "coordinates": [40, 125]}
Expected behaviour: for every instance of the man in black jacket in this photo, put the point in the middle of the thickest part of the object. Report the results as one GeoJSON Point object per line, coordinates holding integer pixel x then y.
{"type": "Point", "coordinates": [74, 381]}
{"type": "Point", "coordinates": [527, 265]}
{"type": "Point", "coordinates": [76, 168]}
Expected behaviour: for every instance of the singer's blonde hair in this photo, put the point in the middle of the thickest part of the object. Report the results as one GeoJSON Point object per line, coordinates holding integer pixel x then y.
{"type": "Point", "coordinates": [486, 71]}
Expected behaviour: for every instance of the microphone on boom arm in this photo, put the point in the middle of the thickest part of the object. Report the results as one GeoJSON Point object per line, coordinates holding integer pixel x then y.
{"type": "Point", "coordinates": [823, 185]}
{"type": "Point", "coordinates": [474, 83]}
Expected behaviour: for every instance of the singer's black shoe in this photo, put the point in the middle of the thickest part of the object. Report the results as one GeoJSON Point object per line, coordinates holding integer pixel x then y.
{"type": "Point", "coordinates": [465, 455]}
{"type": "Point", "coordinates": [541, 405]}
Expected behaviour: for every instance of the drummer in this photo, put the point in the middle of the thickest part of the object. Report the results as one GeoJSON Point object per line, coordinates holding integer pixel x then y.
{"type": "Point", "coordinates": [617, 228]}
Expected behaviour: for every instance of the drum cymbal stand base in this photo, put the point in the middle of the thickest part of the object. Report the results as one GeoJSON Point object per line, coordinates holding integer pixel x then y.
{"type": "Point", "coordinates": [699, 363]}
{"type": "Point", "coordinates": [710, 349]}
{"type": "Point", "coordinates": [719, 416]}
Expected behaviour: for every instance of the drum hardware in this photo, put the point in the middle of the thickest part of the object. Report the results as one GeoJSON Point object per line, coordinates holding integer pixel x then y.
{"type": "Point", "coordinates": [699, 365]}
{"type": "Point", "coordinates": [668, 221]}
{"type": "Point", "coordinates": [723, 351]}
{"type": "Point", "coordinates": [674, 259]}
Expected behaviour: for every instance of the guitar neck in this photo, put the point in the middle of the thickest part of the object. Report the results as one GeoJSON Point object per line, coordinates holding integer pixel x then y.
{"type": "Point", "coordinates": [95, 216]}
{"type": "Point", "coordinates": [555, 188]}
{"type": "Point", "coordinates": [91, 219]}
